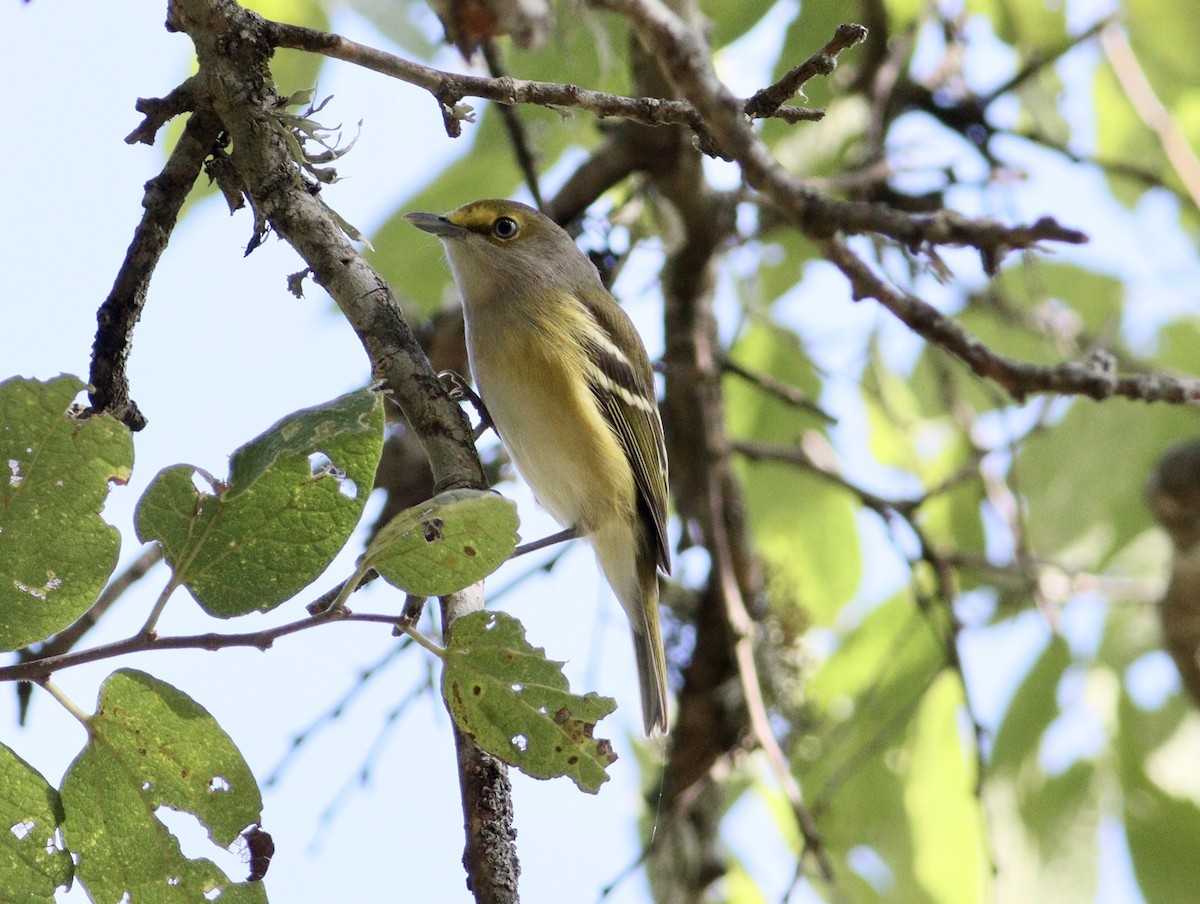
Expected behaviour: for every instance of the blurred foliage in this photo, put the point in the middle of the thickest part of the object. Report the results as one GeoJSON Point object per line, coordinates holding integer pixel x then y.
{"type": "Point", "coordinates": [972, 731]}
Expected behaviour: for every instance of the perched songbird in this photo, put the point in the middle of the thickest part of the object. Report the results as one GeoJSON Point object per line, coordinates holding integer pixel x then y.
{"type": "Point", "coordinates": [568, 385]}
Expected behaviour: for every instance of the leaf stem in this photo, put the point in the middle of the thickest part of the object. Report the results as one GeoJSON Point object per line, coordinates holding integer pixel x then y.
{"type": "Point", "coordinates": [84, 719]}
{"type": "Point", "coordinates": [147, 629]}
{"type": "Point", "coordinates": [424, 641]}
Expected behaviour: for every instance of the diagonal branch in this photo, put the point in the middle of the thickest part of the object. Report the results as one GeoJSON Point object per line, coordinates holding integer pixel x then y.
{"type": "Point", "coordinates": [122, 309]}
{"type": "Point", "coordinates": [1151, 110]}
{"type": "Point", "coordinates": [1094, 376]}
{"type": "Point", "coordinates": [823, 62]}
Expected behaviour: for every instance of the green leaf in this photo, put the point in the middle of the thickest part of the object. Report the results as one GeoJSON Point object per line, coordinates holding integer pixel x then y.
{"type": "Point", "coordinates": [394, 20]}
{"type": "Point", "coordinates": [443, 545]}
{"type": "Point", "coordinates": [56, 552]}
{"type": "Point", "coordinates": [857, 758]}
{"type": "Point", "coordinates": [1025, 24]}
{"type": "Point", "coordinates": [1082, 507]}
{"type": "Point", "coordinates": [1154, 28]}
{"type": "Point", "coordinates": [517, 704]}
{"type": "Point", "coordinates": [940, 799]}
{"type": "Point", "coordinates": [732, 20]}
{"type": "Point", "coordinates": [1044, 833]}
{"type": "Point", "coordinates": [1033, 707]}
{"type": "Point", "coordinates": [32, 865]}
{"type": "Point", "coordinates": [785, 251]}
{"type": "Point", "coordinates": [1162, 833]}
{"type": "Point", "coordinates": [150, 746]}
{"type": "Point", "coordinates": [293, 497]}
{"type": "Point", "coordinates": [1177, 344]}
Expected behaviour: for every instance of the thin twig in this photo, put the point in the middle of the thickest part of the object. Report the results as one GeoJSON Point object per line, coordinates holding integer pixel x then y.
{"type": "Point", "coordinates": [778, 388]}
{"type": "Point", "coordinates": [141, 643]}
{"type": "Point", "coordinates": [1039, 61]}
{"type": "Point", "coordinates": [553, 539]}
{"type": "Point", "coordinates": [514, 126]}
{"type": "Point", "coordinates": [1145, 102]}
{"type": "Point", "coordinates": [823, 62]}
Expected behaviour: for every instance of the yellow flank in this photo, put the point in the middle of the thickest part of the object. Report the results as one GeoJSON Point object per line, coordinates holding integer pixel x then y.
{"type": "Point", "coordinates": [542, 408]}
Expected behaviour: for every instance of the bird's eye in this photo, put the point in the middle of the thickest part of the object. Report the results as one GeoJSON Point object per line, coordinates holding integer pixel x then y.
{"type": "Point", "coordinates": [505, 228]}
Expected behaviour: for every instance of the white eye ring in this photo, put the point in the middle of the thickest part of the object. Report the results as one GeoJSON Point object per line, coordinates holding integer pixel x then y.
{"type": "Point", "coordinates": [505, 228]}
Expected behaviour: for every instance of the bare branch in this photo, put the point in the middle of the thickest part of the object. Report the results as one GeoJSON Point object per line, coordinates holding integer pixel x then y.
{"type": "Point", "coordinates": [1093, 377]}
{"type": "Point", "coordinates": [517, 135]}
{"type": "Point", "coordinates": [823, 62]}
{"type": "Point", "coordinates": [778, 388]}
{"type": "Point", "coordinates": [450, 88]}
{"type": "Point", "coordinates": [1147, 105]}
{"type": "Point", "coordinates": [122, 309]}
{"type": "Point", "coordinates": [41, 668]}
{"type": "Point", "coordinates": [160, 110]}
{"type": "Point", "coordinates": [686, 58]}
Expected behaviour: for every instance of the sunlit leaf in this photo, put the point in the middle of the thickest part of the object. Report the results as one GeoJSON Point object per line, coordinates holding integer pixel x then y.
{"type": "Point", "coordinates": [940, 798]}
{"type": "Point", "coordinates": [150, 746]}
{"type": "Point", "coordinates": [56, 552]}
{"type": "Point", "coordinates": [517, 704]}
{"type": "Point", "coordinates": [293, 496]}
{"type": "Point", "coordinates": [32, 864]}
{"type": "Point", "coordinates": [443, 545]}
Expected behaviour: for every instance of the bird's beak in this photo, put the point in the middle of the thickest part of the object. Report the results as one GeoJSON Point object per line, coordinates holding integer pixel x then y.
{"type": "Point", "coordinates": [437, 225]}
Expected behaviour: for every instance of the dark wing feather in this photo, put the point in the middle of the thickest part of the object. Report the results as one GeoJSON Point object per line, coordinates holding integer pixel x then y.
{"type": "Point", "coordinates": [623, 384]}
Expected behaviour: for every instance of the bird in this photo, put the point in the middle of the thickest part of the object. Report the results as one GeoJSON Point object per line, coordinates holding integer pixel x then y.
{"type": "Point", "coordinates": [568, 385]}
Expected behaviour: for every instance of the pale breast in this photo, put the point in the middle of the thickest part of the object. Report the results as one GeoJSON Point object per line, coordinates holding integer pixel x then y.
{"type": "Point", "coordinates": [554, 433]}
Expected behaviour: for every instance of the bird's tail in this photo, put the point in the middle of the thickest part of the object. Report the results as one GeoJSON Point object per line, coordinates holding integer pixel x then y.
{"type": "Point", "coordinates": [651, 660]}
{"type": "Point", "coordinates": [628, 562]}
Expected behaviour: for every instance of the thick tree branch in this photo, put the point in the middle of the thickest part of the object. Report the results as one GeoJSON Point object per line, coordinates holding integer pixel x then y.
{"type": "Point", "coordinates": [233, 49]}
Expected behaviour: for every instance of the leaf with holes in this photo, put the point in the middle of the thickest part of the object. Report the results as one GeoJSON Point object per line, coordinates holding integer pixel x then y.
{"type": "Point", "coordinates": [443, 545]}
{"type": "Point", "coordinates": [149, 746]}
{"type": "Point", "coordinates": [293, 497]}
{"type": "Point", "coordinates": [517, 704]}
{"type": "Point", "coordinates": [56, 552]}
{"type": "Point", "coordinates": [31, 862]}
